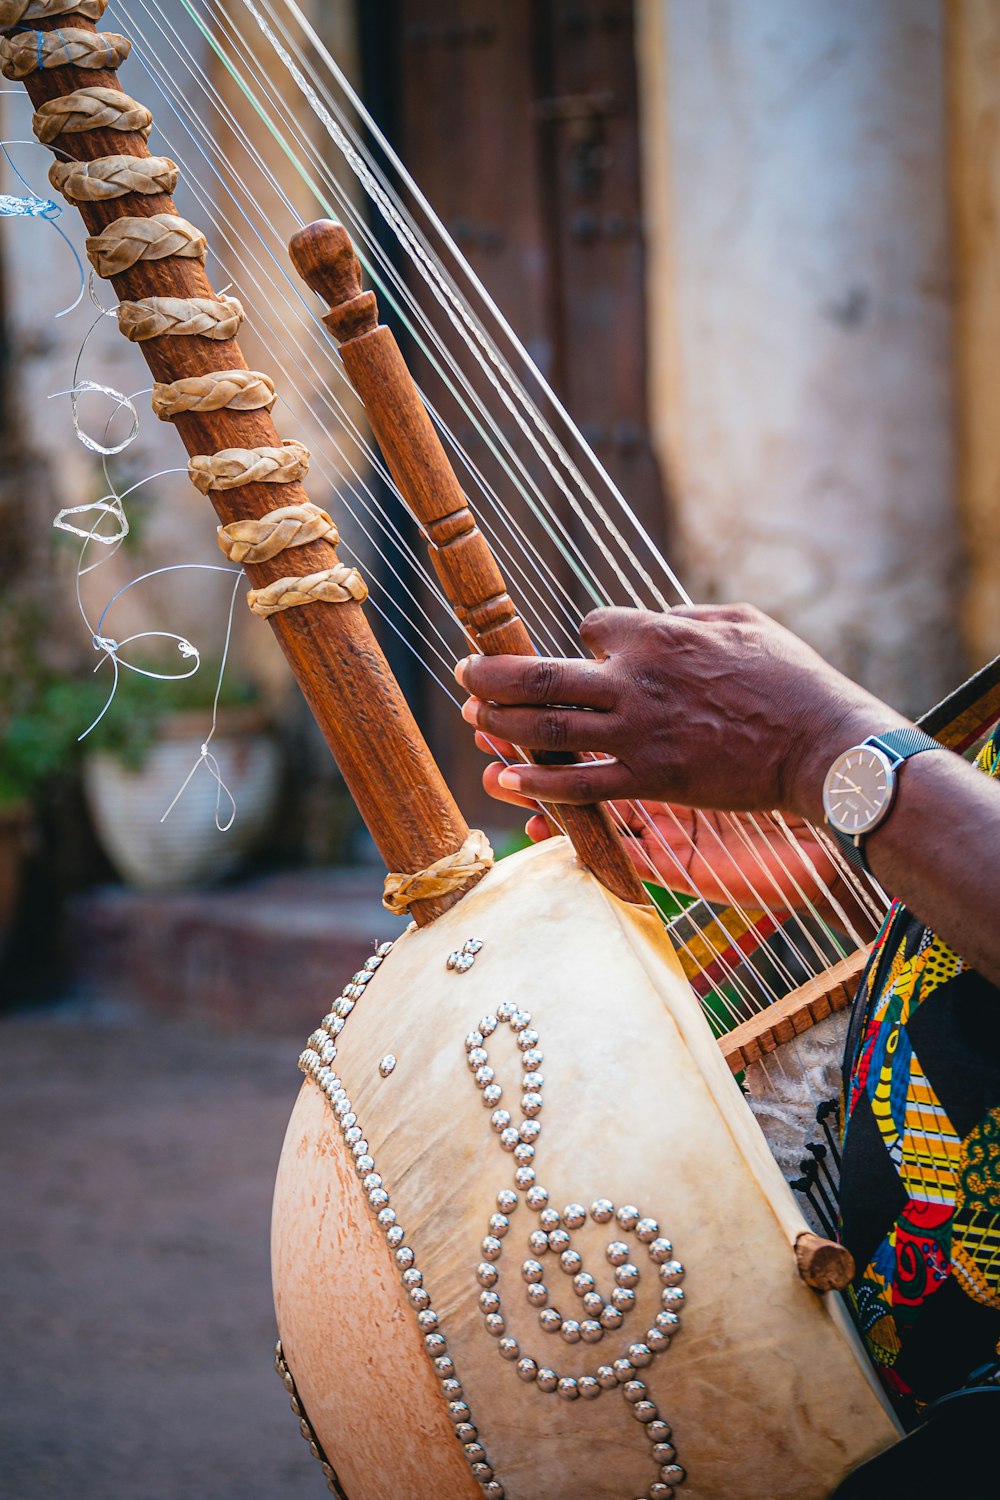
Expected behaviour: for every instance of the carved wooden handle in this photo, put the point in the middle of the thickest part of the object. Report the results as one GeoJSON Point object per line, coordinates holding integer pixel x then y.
{"type": "Point", "coordinates": [324, 256]}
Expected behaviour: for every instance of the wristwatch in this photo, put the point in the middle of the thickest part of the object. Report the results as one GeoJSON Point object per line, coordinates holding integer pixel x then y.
{"type": "Point", "coordinates": [860, 786]}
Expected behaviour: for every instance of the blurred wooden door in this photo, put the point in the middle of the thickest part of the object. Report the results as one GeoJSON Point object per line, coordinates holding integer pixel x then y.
{"type": "Point", "coordinates": [519, 120]}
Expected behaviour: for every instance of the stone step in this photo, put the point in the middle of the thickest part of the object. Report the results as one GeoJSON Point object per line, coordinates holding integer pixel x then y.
{"type": "Point", "coordinates": [268, 955]}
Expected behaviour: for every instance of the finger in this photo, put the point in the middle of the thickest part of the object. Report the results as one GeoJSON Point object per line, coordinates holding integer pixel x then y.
{"type": "Point", "coordinates": [604, 630]}
{"type": "Point", "coordinates": [537, 829]}
{"type": "Point", "coordinates": [536, 679]}
{"type": "Point", "coordinates": [491, 784]}
{"type": "Point", "coordinates": [592, 781]}
{"type": "Point", "coordinates": [491, 745]}
{"type": "Point", "coordinates": [544, 728]}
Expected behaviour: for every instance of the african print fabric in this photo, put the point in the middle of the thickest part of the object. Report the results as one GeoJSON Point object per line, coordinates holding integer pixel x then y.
{"type": "Point", "coordinates": [920, 1179]}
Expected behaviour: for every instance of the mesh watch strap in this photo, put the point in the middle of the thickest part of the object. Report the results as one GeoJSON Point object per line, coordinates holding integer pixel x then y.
{"type": "Point", "coordinates": [899, 745]}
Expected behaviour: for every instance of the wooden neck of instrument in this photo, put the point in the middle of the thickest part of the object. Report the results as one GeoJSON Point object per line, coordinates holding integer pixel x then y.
{"type": "Point", "coordinates": [339, 665]}
{"type": "Point", "coordinates": [461, 556]}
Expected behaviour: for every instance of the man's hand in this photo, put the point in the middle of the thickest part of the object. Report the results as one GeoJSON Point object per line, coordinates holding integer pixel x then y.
{"type": "Point", "coordinates": [731, 859]}
{"type": "Point", "coordinates": [716, 707]}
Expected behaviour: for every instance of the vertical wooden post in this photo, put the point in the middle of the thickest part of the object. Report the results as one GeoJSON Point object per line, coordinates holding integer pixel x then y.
{"type": "Point", "coordinates": [462, 559]}
{"type": "Point", "coordinates": [339, 666]}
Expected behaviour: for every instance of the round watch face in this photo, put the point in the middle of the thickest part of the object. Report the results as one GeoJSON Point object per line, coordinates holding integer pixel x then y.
{"type": "Point", "coordinates": [858, 789]}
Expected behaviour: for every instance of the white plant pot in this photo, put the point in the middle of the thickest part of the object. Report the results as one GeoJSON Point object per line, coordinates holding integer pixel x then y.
{"type": "Point", "coordinates": [187, 848]}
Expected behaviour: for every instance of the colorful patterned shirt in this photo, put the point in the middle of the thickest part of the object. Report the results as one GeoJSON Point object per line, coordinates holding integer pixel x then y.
{"type": "Point", "coordinates": [920, 1181]}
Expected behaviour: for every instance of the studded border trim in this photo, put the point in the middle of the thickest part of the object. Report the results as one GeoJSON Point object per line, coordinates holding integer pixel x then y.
{"type": "Point", "coordinates": [316, 1062]}
{"type": "Point", "coordinates": [305, 1426]}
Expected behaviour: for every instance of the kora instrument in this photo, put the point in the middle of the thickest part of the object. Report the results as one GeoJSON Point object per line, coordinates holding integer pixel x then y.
{"type": "Point", "coordinates": [528, 1239]}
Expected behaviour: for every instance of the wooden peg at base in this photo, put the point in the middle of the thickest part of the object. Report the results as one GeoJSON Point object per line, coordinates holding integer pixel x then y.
{"type": "Point", "coordinates": [823, 1264]}
{"type": "Point", "coordinates": [324, 257]}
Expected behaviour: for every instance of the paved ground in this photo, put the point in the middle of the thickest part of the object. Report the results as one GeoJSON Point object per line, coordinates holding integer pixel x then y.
{"type": "Point", "coordinates": [136, 1162]}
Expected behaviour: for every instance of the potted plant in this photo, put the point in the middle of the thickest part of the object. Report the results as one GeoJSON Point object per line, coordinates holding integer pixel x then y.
{"type": "Point", "coordinates": [173, 801]}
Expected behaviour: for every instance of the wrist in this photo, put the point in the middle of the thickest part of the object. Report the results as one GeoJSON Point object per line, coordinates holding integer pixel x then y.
{"type": "Point", "coordinates": [825, 738]}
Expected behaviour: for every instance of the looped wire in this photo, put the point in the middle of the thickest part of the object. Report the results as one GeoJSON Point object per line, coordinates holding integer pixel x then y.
{"type": "Point", "coordinates": [121, 402]}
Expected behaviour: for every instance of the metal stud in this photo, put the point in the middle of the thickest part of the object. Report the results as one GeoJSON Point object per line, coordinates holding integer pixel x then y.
{"type": "Point", "coordinates": [538, 1241]}
{"type": "Point", "coordinates": [529, 1130]}
{"type": "Point", "coordinates": [482, 1472]}
{"type": "Point", "coordinates": [571, 1261]}
{"type": "Point", "coordinates": [477, 1057]}
{"type": "Point", "coordinates": [486, 1274]}
{"type": "Point", "coordinates": [658, 1431]}
{"type": "Point", "coordinates": [404, 1257]}
{"type": "Point", "coordinates": [623, 1370]}
{"type": "Point", "coordinates": [473, 1040]}
{"type": "Point", "coordinates": [452, 1389]}
{"type": "Point", "coordinates": [676, 1474]}
{"type": "Point", "coordinates": [364, 1164]}
{"type": "Point", "coordinates": [524, 1177]}
{"type": "Point", "coordinates": [472, 945]}
{"type": "Point", "coordinates": [659, 1491]}
{"type": "Point", "coordinates": [574, 1215]}
{"type": "Point", "coordinates": [474, 1452]}
{"type": "Point", "coordinates": [538, 1294]}
{"type": "Point", "coordinates": [506, 1200]}
{"type": "Point", "coordinates": [411, 1277]}
{"type": "Point", "coordinates": [536, 1198]}
{"type": "Point", "coordinates": [531, 1104]}
{"type": "Point", "coordinates": [500, 1119]}
{"type": "Point", "coordinates": [489, 1301]}
{"type": "Point", "coordinates": [588, 1387]}
{"type": "Point", "coordinates": [532, 1082]}
{"type": "Point", "coordinates": [428, 1320]}
{"type": "Point", "coordinates": [668, 1321]}
{"type": "Point", "coordinates": [458, 1411]}
{"type": "Point", "coordinates": [664, 1453]}
{"type": "Point", "coordinates": [567, 1388]}
{"type": "Point", "coordinates": [499, 1225]}
{"type": "Point", "coordinates": [494, 1490]}
{"type": "Point", "coordinates": [660, 1250]}
{"type": "Point", "coordinates": [435, 1344]}
{"type": "Point", "coordinates": [671, 1273]}
{"type": "Point", "coordinates": [444, 1367]}
{"type": "Point", "coordinates": [505, 1010]}
{"type": "Point", "coordinates": [570, 1330]}
{"type": "Point", "coordinates": [524, 1153]}
{"type": "Point", "coordinates": [527, 1040]}
{"type": "Point", "coordinates": [611, 1318]}
{"type": "Point", "coordinates": [495, 1325]}
{"type": "Point", "coordinates": [672, 1298]}
{"type": "Point", "coordinates": [634, 1390]}
{"type": "Point", "coordinates": [419, 1299]}
{"type": "Point", "coordinates": [532, 1270]}
{"type": "Point", "coordinates": [591, 1331]}
{"type": "Point", "coordinates": [466, 1432]}
{"type": "Point", "coordinates": [546, 1380]}
{"type": "Point", "coordinates": [657, 1340]}
{"type": "Point", "coordinates": [583, 1283]}
{"type": "Point", "coordinates": [550, 1320]}
{"type": "Point", "coordinates": [509, 1137]}
{"type": "Point", "coordinates": [559, 1241]}
{"type": "Point", "coordinates": [548, 1220]}
{"type": "Point", "coordinates": [488, 1025]}
{"type": "Point", "coordinates": [491, 1247]}
{"type": "Point", "coordinates": [383, 950]}
{"type": "Point", "coordinates": [617, 1252]}
{"type": "Point", "coordinates": [623, 1297]}
{"type": "Point", "coordinates": [526, 1369]}
{"type": "Point", "coordinates": [378, 1198]}
{"type": "Point", "coordinates": [532, 1059]}
{"type": "Point", "coordinates": [647, 1230]}
{"type": "Point", "coordinates": [484, 1076]}
{"type": "Point", "coordinates": [644, 1411]}
{"type": "Point", "coordinates": [395, 1236]}
{"type": "Point", "coordinates": [492, 1095]}
{"type": "Point", "coordinates": [627, 1275]}
{"type": "Point", "coordinates": [509, 1349]}
{"type": "Point", "coordinates": [606, 1377]}
{"type": "Point", "coordinates": [640, 1354]}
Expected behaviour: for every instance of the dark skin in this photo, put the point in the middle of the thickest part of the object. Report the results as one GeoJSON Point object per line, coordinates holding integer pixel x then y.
{"type": "Point", "coordinates": [762, 717]}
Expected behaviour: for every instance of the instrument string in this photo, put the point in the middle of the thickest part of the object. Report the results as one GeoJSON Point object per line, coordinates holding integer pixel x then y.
{"type": "Point", "coordinates": [668, 851]}
{"type": "Point", "coordinates": [775, 848]}
{"type": "Point", "coordinates": [297, 307]}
